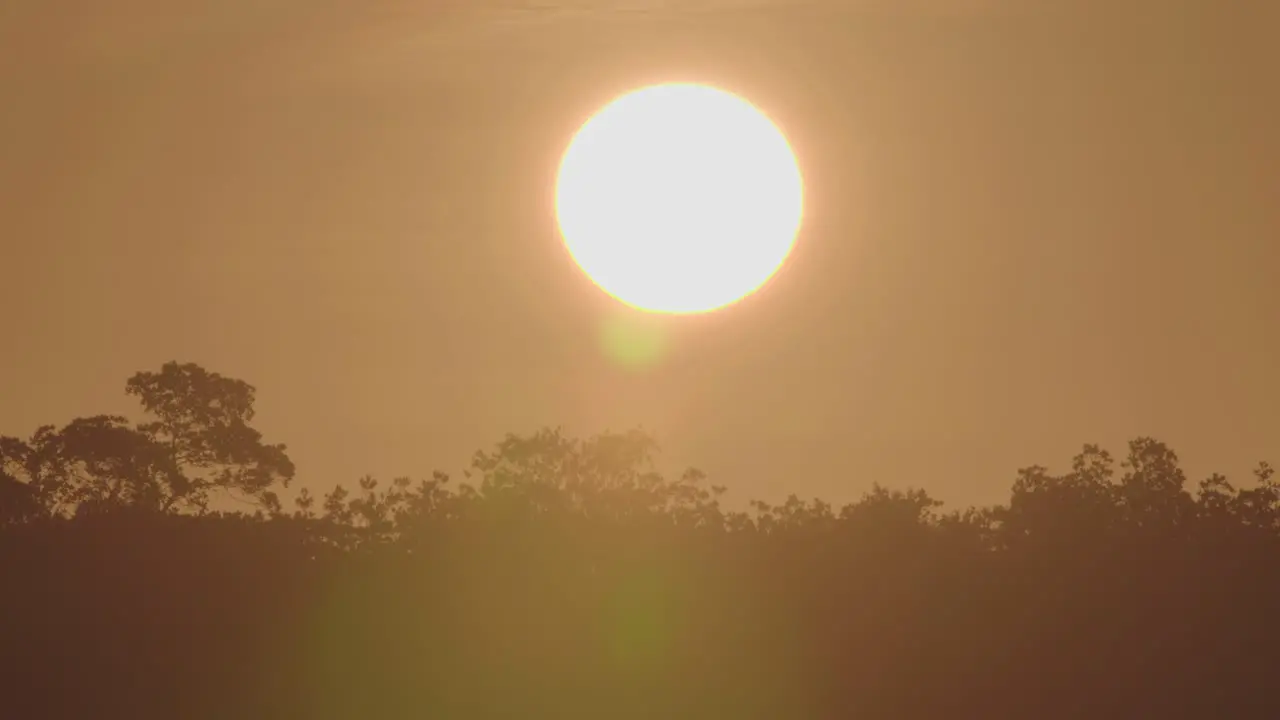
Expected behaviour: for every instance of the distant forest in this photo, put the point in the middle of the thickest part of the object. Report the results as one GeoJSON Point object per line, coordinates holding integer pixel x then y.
{"type": "Point", "coordinates": [568, 578]}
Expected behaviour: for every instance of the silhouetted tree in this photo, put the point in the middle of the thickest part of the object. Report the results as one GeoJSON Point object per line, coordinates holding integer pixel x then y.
{"type": "Point", "coordinates": [202, 420]}
{"type": "Point", "coordinates": [199, 443]}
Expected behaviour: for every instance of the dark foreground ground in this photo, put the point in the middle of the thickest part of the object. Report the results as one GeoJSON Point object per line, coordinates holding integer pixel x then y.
{"type": "Point", "coordinates": [144, 616]}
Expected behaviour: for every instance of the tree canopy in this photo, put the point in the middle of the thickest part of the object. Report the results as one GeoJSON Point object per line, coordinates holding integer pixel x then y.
{"type": "Point", "coordinates": [153, 570]}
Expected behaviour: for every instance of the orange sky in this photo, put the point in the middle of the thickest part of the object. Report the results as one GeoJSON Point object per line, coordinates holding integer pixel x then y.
{"type": "Point", "coordinates": [1026, 230]}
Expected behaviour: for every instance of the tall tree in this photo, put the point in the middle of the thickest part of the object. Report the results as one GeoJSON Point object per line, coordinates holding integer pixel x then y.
{"type": "Point", "coordinates": [202, 420]}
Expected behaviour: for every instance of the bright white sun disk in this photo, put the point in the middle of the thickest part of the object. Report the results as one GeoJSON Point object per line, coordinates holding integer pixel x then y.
{"type": "Point", "coordinates": [679, 198]}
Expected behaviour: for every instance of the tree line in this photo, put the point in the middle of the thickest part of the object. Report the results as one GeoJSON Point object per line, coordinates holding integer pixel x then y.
{"type": "Point", "coordinates": [151, 569]}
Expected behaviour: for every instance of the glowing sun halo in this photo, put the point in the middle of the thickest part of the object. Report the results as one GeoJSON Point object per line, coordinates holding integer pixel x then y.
{"type": "Point", "coordinates": [679, 198]}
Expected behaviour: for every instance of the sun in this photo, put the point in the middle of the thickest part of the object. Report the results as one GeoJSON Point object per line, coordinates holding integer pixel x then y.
{"type": "Point", "coordinates": [679, 198]}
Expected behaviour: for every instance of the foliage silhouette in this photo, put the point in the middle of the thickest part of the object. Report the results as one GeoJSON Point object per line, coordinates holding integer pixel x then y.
{"type": "Point", "coordinates": [569, 577]}
{"type": "Point", "coordinates": [198, 442]}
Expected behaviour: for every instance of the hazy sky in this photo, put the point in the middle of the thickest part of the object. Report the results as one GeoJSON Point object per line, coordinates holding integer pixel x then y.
{"type": "Point", "coordinates": [1027, 229]}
